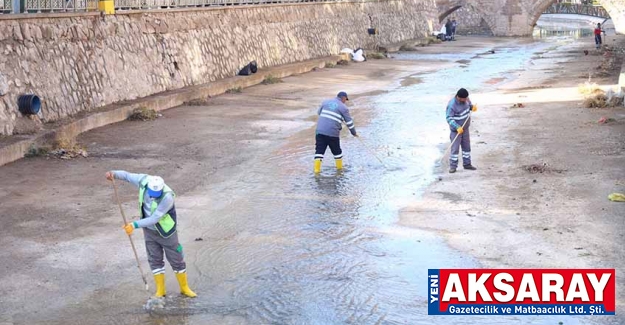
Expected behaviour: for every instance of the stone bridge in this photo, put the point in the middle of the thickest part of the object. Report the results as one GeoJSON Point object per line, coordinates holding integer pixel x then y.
{"type": "Point", "coordinates": [511, 17]}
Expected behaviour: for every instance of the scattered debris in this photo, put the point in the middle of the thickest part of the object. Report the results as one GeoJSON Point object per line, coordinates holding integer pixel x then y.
{"type": "Point", "coordinates": [409, 48]}
{"type": "Point", "coordinates": [540, 168]}
{"type": "Point", "coordinates": [199, 239]}
{"type": "Point", "coordinates": [617, 197]}
{"type": "Point", "coordinates": [430, 40]}
{"type": "Point", "coordinates": [376, 55]}
{"type": "Point", "coordinates": [143, 114]}
{"type": "Point", "coordinates": [68, 153]}
{"type": "Point", "coordinates": [270, 80]}
{"type": "Point", "coordinates": [342, 62]}
{"type": "Point", "coordinates": [517, 105]}
{"type": "Point", "coordinates": [589, 88]}
{"type": "Point", "coordinates": [35, 151]}
{"type": "Point", "coordinates": [235, 90]}
{"type": "Point", "coordinates": [602, 99]}
{"type": "Point", "coordinates": [198, 102]}
{"type": "Point", "coordinates": [330, 65]}
{"type": "Point", "coordinates": [597, 101]}
{"type": "Point", "coordinates": [605, 120]}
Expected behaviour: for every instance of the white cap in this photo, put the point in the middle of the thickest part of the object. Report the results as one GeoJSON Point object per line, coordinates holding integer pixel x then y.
{"type": "Point", "coordinates": [155, 186]}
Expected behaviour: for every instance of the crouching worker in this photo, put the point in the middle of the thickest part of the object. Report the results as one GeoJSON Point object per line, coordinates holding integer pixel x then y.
{"type": "Point", "coordinates": [158, 221]}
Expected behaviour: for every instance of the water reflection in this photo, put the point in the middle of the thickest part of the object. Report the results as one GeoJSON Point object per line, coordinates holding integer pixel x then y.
{"type": "Point", "coordinates": [541, 32]}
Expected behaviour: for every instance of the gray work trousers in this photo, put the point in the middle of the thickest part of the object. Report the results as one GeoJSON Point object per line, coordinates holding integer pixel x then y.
{"type": "Point", "coordinates": [156, 245]}
{"type": "Point", "coordinates": [464, 141]}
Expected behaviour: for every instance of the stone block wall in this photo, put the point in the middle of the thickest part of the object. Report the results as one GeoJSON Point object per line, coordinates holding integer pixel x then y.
{"type": "Point", "coordinates": [470, 21]}
{"type": "Point", "coordinates": [79, 63]}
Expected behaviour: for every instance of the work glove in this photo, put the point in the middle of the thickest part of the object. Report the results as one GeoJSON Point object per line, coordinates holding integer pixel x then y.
{"type": "Point", "coordinates": [130, 227]}
{"type": "Point", "coordinates": [460, 130]}
{"type": "Point", "coordinates": [474, 108]}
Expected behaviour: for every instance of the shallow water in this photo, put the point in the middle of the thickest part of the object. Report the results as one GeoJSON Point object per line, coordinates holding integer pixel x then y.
{"type": "Point", "coordinates": [293, 248]}
{"type": "Point", "coordinates": [326, 249]}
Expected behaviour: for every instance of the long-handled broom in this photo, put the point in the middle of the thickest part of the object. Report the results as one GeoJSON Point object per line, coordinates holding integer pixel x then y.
{"type": "Point", "coordinates": [454, 140]}
{"type": "Point", "coordinates": [145, 281]}
{"type": "Point", "coordinates": [371, 151]}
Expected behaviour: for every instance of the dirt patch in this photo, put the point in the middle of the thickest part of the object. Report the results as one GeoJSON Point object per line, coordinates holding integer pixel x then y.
{"type": "Point", "coordinates": [409, 81]}
{"type": "Point", "coordinates": [464, 61]}
{"type": "Point", "coordinates": [493, 81]}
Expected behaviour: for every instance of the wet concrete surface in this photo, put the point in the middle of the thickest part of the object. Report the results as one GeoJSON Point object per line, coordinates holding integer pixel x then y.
{"type": "Point", "coordinates": [266, 241]}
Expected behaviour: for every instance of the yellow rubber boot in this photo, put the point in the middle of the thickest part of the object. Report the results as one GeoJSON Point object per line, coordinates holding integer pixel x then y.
{"type": "Point", "coordinates": [339, 163]}
{"type": "Point", "coordinates": [159, 279]}
{"type": "Point", "coordinates": [317, 166]}
{"type": "Point", "coordinates": [184, 285]}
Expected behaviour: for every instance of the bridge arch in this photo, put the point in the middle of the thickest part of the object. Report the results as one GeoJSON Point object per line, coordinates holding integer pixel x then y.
{"type": "Point", "coordinates": [614, 9]}
{"type": "Point", "coordinates": [468, 15]}
{"type": "Point", "coordinates": [517, 17]}
{"type": "Point", "coordinates": [448, 12]}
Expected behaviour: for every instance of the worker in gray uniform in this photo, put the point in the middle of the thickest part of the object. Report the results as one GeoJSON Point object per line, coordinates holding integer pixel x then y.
{"type": "Point", "coordinates": [458, 114]}
{"type": "Point", "coordinates": [332, 113]}
{"type": "Point", "coordinates": [158, 221]}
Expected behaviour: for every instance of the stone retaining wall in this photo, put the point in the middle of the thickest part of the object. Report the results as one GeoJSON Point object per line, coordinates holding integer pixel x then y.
{"type": "Point", "coordinates": [78, 63]}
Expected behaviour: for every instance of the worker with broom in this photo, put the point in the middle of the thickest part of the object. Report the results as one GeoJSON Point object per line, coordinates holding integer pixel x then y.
{"type": "Point", "coordinates": [332, 114]}
{"type": "Point", "coordinates": [459, 111]}
{"type": "Point", "coordinates": [158, 220]}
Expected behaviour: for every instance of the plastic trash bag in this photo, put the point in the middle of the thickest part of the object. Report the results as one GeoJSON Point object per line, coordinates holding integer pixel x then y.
{"type": "Point", "coordinates": [359, 55]}
{"type": "Point", "coordinates": [617, 197]}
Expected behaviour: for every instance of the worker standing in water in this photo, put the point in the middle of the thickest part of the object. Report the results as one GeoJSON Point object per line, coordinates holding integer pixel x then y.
{"type": "Point", "coordinates": [458, 114]}
{"type": "Point", "coordinates": [332, 114]}
{"type": "Point", "coordinates": [158, 221]}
